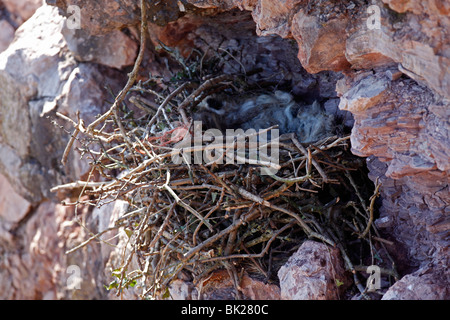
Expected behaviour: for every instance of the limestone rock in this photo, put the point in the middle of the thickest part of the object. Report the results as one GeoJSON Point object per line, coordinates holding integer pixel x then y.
{"type": "Point", "coordinates": [312, 273]}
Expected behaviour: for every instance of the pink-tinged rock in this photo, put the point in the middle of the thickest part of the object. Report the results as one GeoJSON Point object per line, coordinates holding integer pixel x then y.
{"type": "Point", "coordinates": [22, 10]}
{"type": "Point", "coordinates": [364, 95]}
{"type": "Point", "coordinates": [7, 35]}
{"type": "Point", "coordinates": [36, 266]}
{"type": "Point", "coordinates": [374, 48]}
{"type": "Point", "coordinates": [38, 76]}
{"type": "Point", "coordinates": [113, 49]}
{"type": "Point", "coordinates": [418, 46]}
{"type": "Point", "coordinates": [321, 44]}
{"type": "Point", "coordinates": [101, 17]}
{"type": "Point", "coordinates": [258, 290]}
{"type": "Point", "coordinates": [431, 7]}
{"type": "Point", "coordinates": [219, 286]}
{"type": "Point", "coordinates": [421, 285]}
{"type": "Point", "coordinates": [414, 214]}
{"type": "Point", "coordinates": [13, 207]}
{"type": "Point", "coordinates": [312, 273]}
{"type": "Point", "coordinates": [367, 49]}
{"type": "Point", "coordinates": [30, 69]}
{"type": "Point", "coordinates": [398, 128]}
{"type": "Point", "coordinates": [181, 290]}
{"type": "Point", "coordinates": [275, 17]}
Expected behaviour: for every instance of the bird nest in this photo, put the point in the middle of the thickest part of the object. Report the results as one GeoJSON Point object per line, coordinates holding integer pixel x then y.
{"type": "Point", "coordinates": [189, 217]}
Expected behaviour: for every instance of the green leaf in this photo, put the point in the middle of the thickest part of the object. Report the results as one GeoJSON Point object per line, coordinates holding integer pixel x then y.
{"type": "Point", "coordinates": [166, 294]}
{"type": "Point", "coordinates": [128, 232]}
{"type": "Point", "coordinates": [116, 273]}
{"type": "Point", "coordinates": [113, 284]}
{"type": "Point", "coordinates": [132, 283]}
{"type": "Point", "coordinates": [338, 282]}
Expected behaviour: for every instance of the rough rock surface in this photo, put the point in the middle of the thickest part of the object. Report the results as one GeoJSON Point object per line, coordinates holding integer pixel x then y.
{"type": "Point", "coordinates": [114, 49]}
{"type": "Point", "coordinates": [312, 273]}
{"type": "Point", "coordinates": [21, 10]}
{"type": "Point", "coordinates": [101, 17]}
{"type": "Point", "coordinates": [392, 76]}
{"type": "Point", "coordinates": [7, 34]}
{"type": "Point", "coordinates": [341, 35]}
{"type": "Point", "coordinates": [39, 76]}
{"type": "Point", "coordinates": [420, 285]}
{"type": "Point", "coordinates": [30, 73]}
{"type": "Point", "coordinates": [13, 209]}
{"type": "Point", "coordinates": [34, 265]}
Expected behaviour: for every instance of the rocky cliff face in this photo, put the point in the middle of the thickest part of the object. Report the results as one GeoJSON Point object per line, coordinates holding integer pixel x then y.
{"type": "Point", "coordinates": [385, 62]}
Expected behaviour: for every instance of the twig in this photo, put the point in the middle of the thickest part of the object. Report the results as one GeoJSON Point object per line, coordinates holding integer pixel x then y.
{"type": "Point", "coordinates": [290, 181]}
{"type": "Point", "coordinates": [352, 182]}
{"type": "Point", "coordinates": [166, 101]}
{"type": "Point", "coordinates": [247, 255]}
{"type": "Point", "coordinates": [78, 127]}
{"type": "Point", "coordinates": [211, 211]}
{"type": "Point", "coordinates": [183, 204]}
{"type": "Point", "coordinates": [234, 226]}
{"type": "Point", "coordinates": [96, 236]}
{"type": "Point", "coordinates": [314, 162]}
{"type": "Point", "coordinates": [78, 184]}
{"type": "Point", "coordinates": [206, 85]}
{"type": "Point", "coordinates": [163, 226]}
{"type": "Point", "coordinates": [372, 202]}
{"type": "Point", "coordinates": [306, 228]}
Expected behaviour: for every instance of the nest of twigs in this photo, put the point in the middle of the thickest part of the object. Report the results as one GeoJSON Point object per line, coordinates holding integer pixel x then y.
{"type": "Point", "coordinates": [196, 218]}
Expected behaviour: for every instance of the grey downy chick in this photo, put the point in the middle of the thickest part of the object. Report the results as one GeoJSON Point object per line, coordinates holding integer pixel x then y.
{"type": "Point", "coordinates": [309, 122]}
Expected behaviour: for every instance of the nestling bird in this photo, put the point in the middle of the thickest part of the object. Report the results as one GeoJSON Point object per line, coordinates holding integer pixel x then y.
{"type": "Point", "coordinates": [309, 122]}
